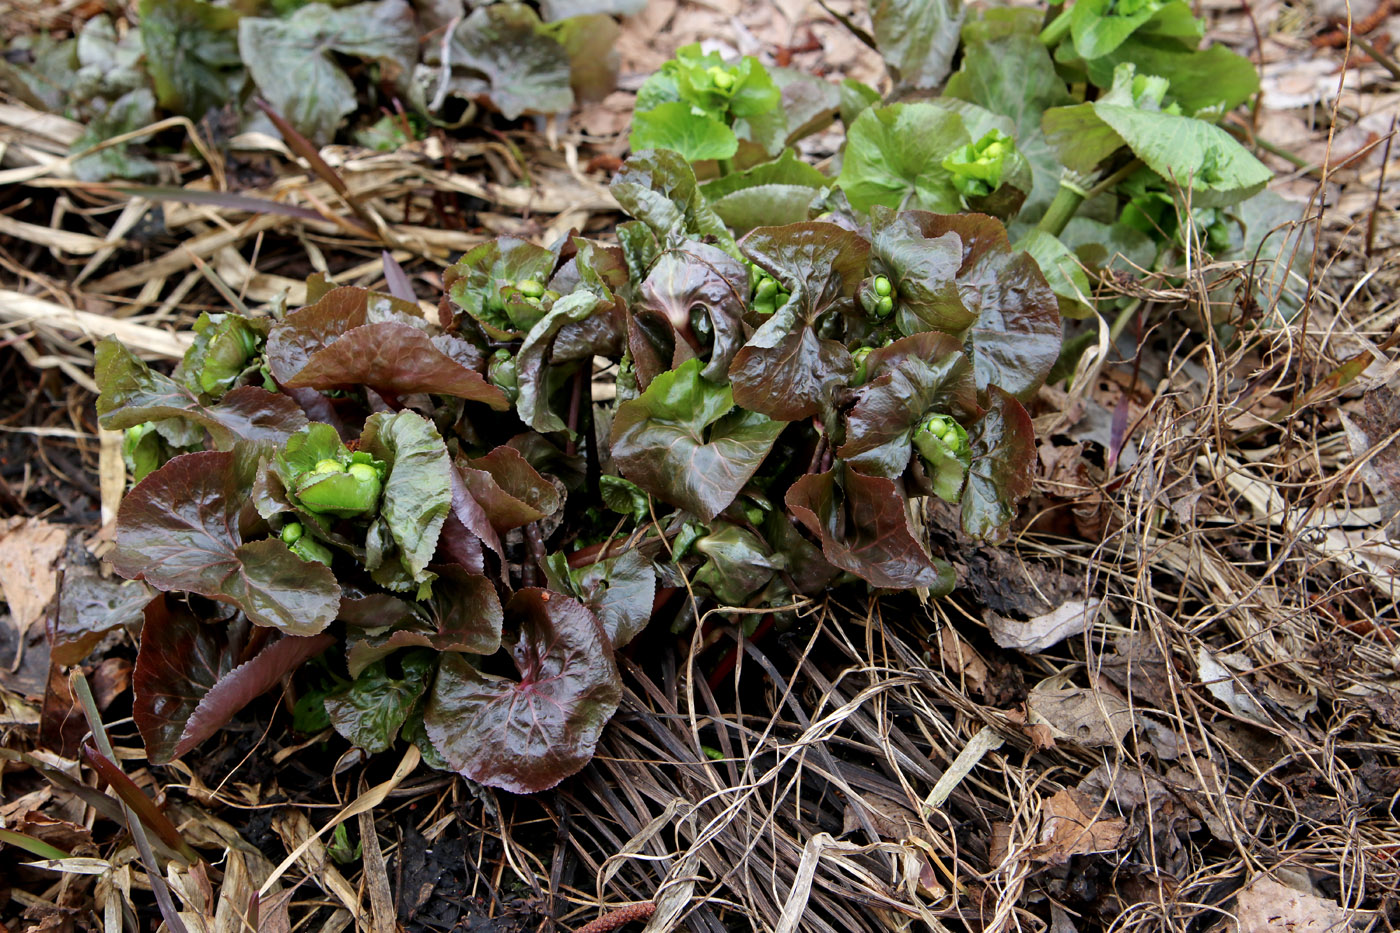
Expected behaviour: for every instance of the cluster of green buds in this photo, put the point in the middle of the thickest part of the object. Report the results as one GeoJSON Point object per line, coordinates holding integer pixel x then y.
{"type": "Point", "coordinates": [523, 302]}
{"type": "Point", "coordinates": [768, 294]}
{"type": "Point", "coordinates": [876, 295]}
{"type": "Point", "coordinates": [860, 370]}
{"type": "Point", "coordinates": [303, 545]}
{"type": "Point", "coordinates": [343, 487]}
{"type": "Point", "coordinates": [504, 373]}
{"type": "Point", "coordinates": [943, 445]}
{"type": "Point", "coordinates": [224, 347]}
{"type": "Point", "coordinates": [977, 168]}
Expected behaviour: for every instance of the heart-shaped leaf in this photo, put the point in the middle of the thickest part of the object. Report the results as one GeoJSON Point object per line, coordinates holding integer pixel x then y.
{"type": "Point", "coordinates": [418, 488]}
{"type": "Point", "coordinates": [526, 735]}
{"type": "Point", "coordinates": [1003, 458]}
{"type": "Point", "coordinates": [697, 279]}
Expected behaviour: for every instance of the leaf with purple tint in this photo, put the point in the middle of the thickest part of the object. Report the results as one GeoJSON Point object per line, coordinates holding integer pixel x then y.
{"type": "Point", "coordinates": [680, 441]}
{"type": "Point", "coordinates": [1015, 334]}
{"type": "Point", "coordinates": [509, 490]}
{"type": "Point", "coordinates": [787, 370]}
{"type": "Point", "coordinates": [180, 529]}
{"type": "Point", "coordinates": [528, 734]}
{"type": "Point", "coordinates": [1003, 461]}
{"type": "Point", "coordinates": [484, 284]}
{"type": "Point", "coordinates": [697, 279]}
{"type": "Point", "coordinates": [133, 393]}
{"type": "Point", "coordinates": [657, 186]}
{"type": "Point", "coordinates": [463, 614]}
{"type": "Point", "coordinates": [619, 590]}
{"type": "Point", "coordinates": [245, 683]}
{"type": "Point", "coordinates": [864, 529]}
{"type": "Point", "coordinates": [179, 660]}
{"type": "Point", "coordinates": [907, 380]}
{"type": "Point", "coordinates": [921, 268]}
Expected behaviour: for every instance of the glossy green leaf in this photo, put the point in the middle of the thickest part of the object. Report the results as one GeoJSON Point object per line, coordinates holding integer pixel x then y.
{"type": "Point", "coordinates": [371, 709]}
{"type": "Point", "coordinates": [418, 489]}
{"type": "Point", "coordinates": [894, 157]}
{"type": "Point", "coordinates": [673, 126]}
{"type": "Point", "coordinates": [738, 563]}
{"type": "Point", "coordinates": [1013, 75]}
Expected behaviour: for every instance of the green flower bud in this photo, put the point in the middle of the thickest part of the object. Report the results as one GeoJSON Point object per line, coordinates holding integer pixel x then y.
{"type": "Point", "coordinates": [885, 306]}
{"type": "Point", "coordinates": [883, 286]}
{"type": "Point", "coordinates": [861, 371]}
{"type": "Point", "coordinates": [292, 532]}
{"type": "Point", "coordinates": [529, 288]}
{"type": "Point", "coordinates": [721, 78]}
{"type": "Point", "coordinates": [942, 443]}
{"type": "Point", "coordinates": [308, 548]}
{"type": "Point", "coordinates": [328, 466]}
{"type": "Point", "coordinates": [701, 325]}
{"type": "Point", "coordinates": [504, 373]}
{"type": "Point", "coordinates": [341, 494]}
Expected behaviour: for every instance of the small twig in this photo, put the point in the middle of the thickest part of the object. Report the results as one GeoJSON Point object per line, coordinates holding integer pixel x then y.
{"type": "Point", "coordinates": [622, 916]}
{"type": "Point", "coordinates": [1377, 56]}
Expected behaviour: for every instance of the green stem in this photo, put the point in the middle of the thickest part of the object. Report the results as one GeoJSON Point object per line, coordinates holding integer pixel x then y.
{"type": "Point", "coordinates": [726, 167]}
{"type": "Point", "coordinates": [1113, 179]}
{"type": "Point", "coordinates": [1067, 201]}
{"type": "Point", "coordinates": [1051, 35]}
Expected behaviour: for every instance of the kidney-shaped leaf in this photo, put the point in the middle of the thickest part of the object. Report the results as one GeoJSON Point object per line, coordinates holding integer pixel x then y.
{"type": "Point", "coordinates": [864, 529]}
{"type": "Point", "coordinates": [293, 60]}
{"type": "Point", "coordinates": [529, 734]}
{"type": "Point", "coordinates": [680, 442]}
{"type": "Point", "coordinates": [179, 530]}
{"type": "Point", "coordinates": [923, 270]}
{"type": "Point", "coordinates": [501, 55]}
{"type": "Point", "coordinates": [619, 590]}
{"type": "Point", "coordinates": [894, 156]}
{"type": "Point", "coordinates": [909, 379]}
{"type": "Point", "coordinates": [787, 370]}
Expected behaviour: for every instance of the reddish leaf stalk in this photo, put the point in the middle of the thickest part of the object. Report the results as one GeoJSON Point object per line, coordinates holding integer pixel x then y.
{"type": "Point", "coordinates": [622, 916]}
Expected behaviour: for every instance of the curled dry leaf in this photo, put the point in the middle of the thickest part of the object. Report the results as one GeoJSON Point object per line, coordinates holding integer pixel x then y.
{"type": "Point", "coordinates": [1043, 631]}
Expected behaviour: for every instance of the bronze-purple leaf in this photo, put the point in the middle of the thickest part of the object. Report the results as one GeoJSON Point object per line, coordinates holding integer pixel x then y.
{"type": "Point", "coordinates": [1003, 458]}
{"type": "Point", "coordinates": [787, 370]}
{"type": "Point", "coordinates": [907, 380]}
{"type": "Point", "coordinates": [527, 734]}
{"type": "Point", "coordinates": [863, 528]}
{"type": "Point", "coordinates": [179, 530]}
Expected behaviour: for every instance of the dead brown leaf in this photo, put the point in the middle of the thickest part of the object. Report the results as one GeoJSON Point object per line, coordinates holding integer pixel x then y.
{"type": "Point", "coordinates": [1069, 827]}
{"type": "Point", "coordinates": [1090, 718]}
{"type": "Point", "coordinates": [1266, 906]}
{"type": "Point", "coordinates": [1043, 631]}
{"type": "Point", "coordinates": [29, 552]}
{"type": "Point", "coordinates": [1376, 425]}
{"type": "Point", "coordinates": [960, 659]}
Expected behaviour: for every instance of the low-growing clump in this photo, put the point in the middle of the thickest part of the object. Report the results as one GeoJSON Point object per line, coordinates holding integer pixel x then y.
{"type": "Point", "coordinates": [748, 398]}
